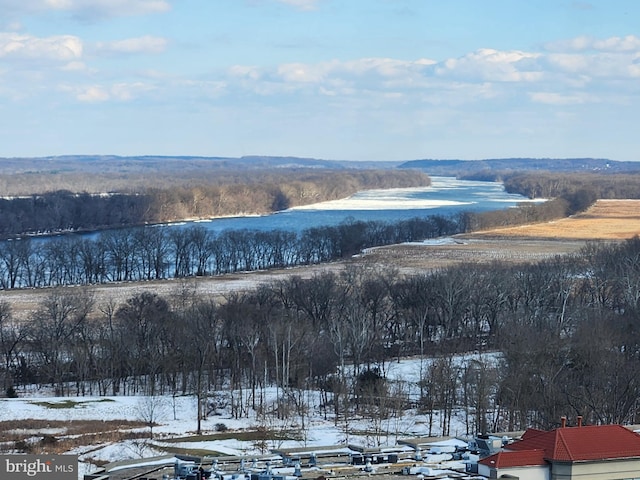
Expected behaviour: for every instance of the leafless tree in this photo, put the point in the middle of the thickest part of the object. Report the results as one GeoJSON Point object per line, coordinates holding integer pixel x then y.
{"type": "Point", "coordinates": [11, 340]}
{"type": "Point", "coordinates": [150, 408]}
{"type": "Point", "coordinates": [143, 322]}
{"type": "Point", "coordinates": [55, 328]}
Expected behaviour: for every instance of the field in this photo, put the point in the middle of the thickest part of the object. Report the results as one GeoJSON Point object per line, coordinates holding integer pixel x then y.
{"type": "Point", "coordinates": [608, 220]}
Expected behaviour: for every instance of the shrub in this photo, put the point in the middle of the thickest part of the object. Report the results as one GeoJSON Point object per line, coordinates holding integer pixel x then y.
{"type": "Point", "coordinates": [221, 427]}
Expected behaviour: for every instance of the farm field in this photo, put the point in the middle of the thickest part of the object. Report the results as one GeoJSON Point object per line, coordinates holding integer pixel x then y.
{"type": "Point", "coordinates": [606, 220]}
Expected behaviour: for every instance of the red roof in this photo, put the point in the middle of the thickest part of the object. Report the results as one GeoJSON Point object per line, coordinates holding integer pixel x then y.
{"type": "Point", "coordinates": [574, 444]}
{"type": "Point", "coordinates": [505, 459]}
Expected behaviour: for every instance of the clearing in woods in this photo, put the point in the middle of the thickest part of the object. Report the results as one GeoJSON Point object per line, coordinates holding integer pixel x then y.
{"type": "Point", "coordinates": [607, 220]}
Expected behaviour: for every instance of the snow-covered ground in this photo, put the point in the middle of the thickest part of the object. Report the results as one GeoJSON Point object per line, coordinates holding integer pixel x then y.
{"type": "Point", "coordinates": [176, 417]}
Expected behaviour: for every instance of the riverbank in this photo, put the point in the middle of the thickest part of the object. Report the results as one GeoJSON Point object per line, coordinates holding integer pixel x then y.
{"type": "Point", "coordinates": [607, 220]}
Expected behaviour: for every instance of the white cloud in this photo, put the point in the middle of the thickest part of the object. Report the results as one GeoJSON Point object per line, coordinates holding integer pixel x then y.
{"type": "Point", "coordinates": [483, 67]}
{"type": "Point", "coordinates": [386, 67]}
{"type": "Point", "coordinates": [92, 94]}
{"type": "Point", "coordinates": [303, 73]}
{"type": "Point", "coordinates": [485, 75]}
{"type": "Point", "coordinates": [129, 91]}
{"type": "Point", "coordinates": [569, 62]}
{"type": "Point", "coordinates": [493, 65]}
{"type": "Point", "coordinates": [145, 44]}
{"type": "Point", "coordinates": [634, 68]}
{"type": "Point", "coordinates": [563, 78]}
{"type": "Point", "coordinates": [366, 81]}
{"type": "Point", "coordinates": [122, 92]}
{"type": "Point", "coordinates": [211, 89]}
{"type": "Point", "coordinates": [628, 43]}
{"type": "Point", "coordinates": [57, 48]}
{"type": "Point", "coordinates": [375, 69]}
{"type": "Point", "coordinates": [11, 26]}
{"type": "Point", "coordinates": [74, 67]}
{"type": "Point", "coordinates": [575, 44]}
{"type": "Point", "coordinates": [240, 71]}
{"type": "Point", "coordinates": [602, 65]}
{"type": "Point", "coordinates": [457, 94]}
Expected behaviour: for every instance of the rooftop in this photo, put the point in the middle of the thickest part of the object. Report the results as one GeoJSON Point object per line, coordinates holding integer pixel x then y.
{"type": "Point", "coordinates": [568, 444]}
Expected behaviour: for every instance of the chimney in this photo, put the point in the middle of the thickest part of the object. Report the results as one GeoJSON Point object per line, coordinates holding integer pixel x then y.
{"type": "Point", "coordinates": [563, 422]}
{"type": "Point", "coordinates": [579, 420]}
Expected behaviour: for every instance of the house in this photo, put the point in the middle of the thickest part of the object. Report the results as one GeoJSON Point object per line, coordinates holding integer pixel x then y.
{"type": "Point", "coordinates": [596, 452]}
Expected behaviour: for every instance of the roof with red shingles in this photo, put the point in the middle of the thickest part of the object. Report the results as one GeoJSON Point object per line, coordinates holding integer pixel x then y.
{"type": "Point", "coordinates": [574, 444]}
{"type": "Point", "coordinates": [506, 459]}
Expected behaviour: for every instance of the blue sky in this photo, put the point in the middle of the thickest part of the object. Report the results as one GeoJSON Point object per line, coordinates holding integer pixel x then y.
{"type": "Point", "coordinates": [333, 79]}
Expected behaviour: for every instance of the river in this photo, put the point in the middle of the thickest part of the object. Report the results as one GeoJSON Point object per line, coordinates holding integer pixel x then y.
{"type": "Point", "coordinates": [446, 196]}
{"type": "Point", "coordinates": [135, 255]}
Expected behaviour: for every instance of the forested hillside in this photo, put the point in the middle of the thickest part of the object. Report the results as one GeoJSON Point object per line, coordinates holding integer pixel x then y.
{"type": "Point", "coordinates": [550, 185]}
{"type": "Point", "coordinates": [493, 169]}
{"type": "Point", "coordinates": [104, 173]}
{"type": "Point", "coordinates": [569, 193]}
{"type": "Point", "coordinates": [168, 197]}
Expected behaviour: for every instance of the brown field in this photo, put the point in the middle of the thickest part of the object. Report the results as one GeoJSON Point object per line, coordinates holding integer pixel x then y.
{"type": "Point", "coordinates": [608, 220]}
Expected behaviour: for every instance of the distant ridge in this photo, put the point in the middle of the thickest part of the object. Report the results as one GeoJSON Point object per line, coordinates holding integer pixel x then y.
{"type": "Point", "coordinates": [444, 167]}
{"type": "Point", "coordinates": [458, 167]}
{"type": "Point", "coordinates": [103, 163]}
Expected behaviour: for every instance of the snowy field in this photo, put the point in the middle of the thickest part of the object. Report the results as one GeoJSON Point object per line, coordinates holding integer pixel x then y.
{"type": "Point", "coordinates": [175, 417]}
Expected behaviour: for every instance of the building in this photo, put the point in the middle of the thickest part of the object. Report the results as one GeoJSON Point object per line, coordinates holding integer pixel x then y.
{"type": "Point", "coordinates": [597, 452]}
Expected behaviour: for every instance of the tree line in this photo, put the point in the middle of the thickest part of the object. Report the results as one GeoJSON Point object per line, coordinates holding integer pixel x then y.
{"type": "Point", "coordinates": [238, 194]}
{"type": "Point", "coordinates": [562, 333]}
{"type": "Point", "coordinates": [149, 253]}
{"type": "Point", "coordinates": [595, 184]}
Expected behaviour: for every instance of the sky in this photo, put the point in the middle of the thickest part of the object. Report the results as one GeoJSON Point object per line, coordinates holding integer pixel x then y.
{"type": "Point", "coordinates": [331, 79]}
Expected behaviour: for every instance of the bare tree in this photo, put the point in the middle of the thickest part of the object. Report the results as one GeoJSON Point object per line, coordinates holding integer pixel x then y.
{"type": "Point", "coordinates": [444, 386]}
{"type": "Point", "coordinates": [55, 328]}
{"type": "Point", "coordinates": [150, 408]}
{"type": "Point", "coordinates": [200, 324]}
{"type": "Point", "coordinates": [11, 340]}
{"type": "Point", "coordinates": [479, 382]}
{"type": "Point", "coordinates": [143, 322]}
